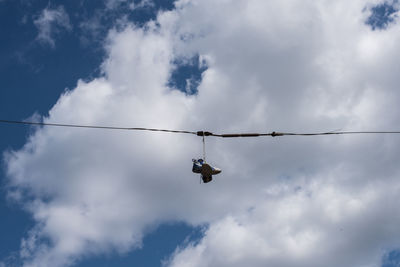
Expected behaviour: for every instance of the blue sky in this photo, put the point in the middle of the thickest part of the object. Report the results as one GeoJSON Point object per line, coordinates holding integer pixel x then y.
{"type": "Point", "coordinates": [87, 61]}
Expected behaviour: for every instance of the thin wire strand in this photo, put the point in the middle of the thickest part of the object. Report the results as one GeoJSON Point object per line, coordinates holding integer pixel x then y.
{"type": "Point", "coordinates": [204, 149]}
{"type": "Point", "coordinates": [198, 133]}
{"type": "Point", "coordinates": [342, 132]}
{"type": "Point", "coordinates": [95, 127]}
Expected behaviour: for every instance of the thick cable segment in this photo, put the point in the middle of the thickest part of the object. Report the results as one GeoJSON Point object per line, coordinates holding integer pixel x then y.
{"type": "Point", "coordinates": [274, 134]}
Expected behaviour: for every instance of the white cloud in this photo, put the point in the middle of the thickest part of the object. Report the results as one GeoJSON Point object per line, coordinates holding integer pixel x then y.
{"type": "Point", "coordinates": [141, 4]}
{"type": "Point", "coordinates": [95, 27]}
{"type": "Point", "coordinates": [285, 66]}
{"type": "Point", "coordinates": [114, 4]}
{"type": "Point", "coordinates": [319, 225]}
{"type": "Point", "coordinates": [49, 23]}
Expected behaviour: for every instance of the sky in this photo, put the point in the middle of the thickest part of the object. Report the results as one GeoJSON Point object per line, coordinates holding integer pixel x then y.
{"type": "Point", "coordinates": [85, 197]}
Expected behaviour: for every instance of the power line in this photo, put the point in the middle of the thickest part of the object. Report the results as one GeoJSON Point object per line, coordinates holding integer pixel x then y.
{"type": "Point", "coordinates": [274, 134]}
{"type": "Point", "coordinates": [94, 126]}
{"type": "Point", "coordinates": [198, 133]}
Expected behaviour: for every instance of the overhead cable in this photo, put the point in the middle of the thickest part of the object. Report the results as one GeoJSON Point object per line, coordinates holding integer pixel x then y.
{"type": "Point", "coordinates": [94, 126]}
{"type": "Point", "coordinates": [198, 133]}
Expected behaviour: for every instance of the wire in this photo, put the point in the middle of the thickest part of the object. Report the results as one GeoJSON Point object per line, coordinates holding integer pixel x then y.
{"type": "Point", "coordinates": [204, 150]}
{"type": "Point", "coordinates": [94, 126]}
{"type": "Point", "coordinates": [198, 133]}
{"type": "Point", "coordinates": [274, 134]}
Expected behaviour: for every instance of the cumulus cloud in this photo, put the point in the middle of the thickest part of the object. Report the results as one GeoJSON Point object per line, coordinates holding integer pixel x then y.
{"type": "Point", "coordinates": [50, 22]}
{"type": "Point", "coordinates": [274, 65]}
